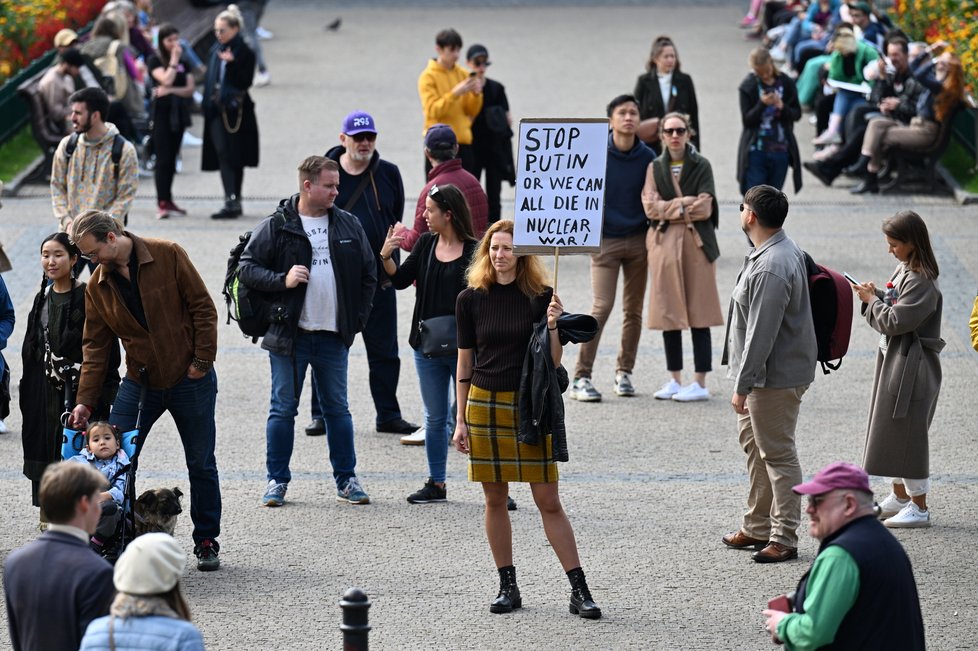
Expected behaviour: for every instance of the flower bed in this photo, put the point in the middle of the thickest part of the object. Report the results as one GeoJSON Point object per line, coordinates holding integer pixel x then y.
{"type": "Point", "coordinates": [954, 21]}
{"type": "Point", "coordinates": [27, 28]}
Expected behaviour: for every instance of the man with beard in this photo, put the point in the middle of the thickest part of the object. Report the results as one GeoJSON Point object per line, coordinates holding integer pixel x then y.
{"type": "Point", "coordinates": [372, 190]}
{"type": "Point", "coordinates": [86, 173]}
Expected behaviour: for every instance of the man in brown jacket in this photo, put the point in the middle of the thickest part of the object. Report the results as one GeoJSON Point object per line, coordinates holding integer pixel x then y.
{"type": "Point", "coordinates": [147, 293]}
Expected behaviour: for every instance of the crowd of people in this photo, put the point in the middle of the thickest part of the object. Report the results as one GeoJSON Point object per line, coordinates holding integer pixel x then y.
{"type": "Point", "coordinates": [488, 330]}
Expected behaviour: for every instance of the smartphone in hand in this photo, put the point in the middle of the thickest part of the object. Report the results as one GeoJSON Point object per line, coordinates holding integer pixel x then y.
{"type": "Point", "coordinates": [780, 603]}
{"type": "Point", "coordinates": [850, 278]}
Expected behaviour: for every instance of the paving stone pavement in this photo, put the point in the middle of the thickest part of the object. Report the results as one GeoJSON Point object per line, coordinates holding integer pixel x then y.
{"type": "Point", "coordinates": [651, 486]}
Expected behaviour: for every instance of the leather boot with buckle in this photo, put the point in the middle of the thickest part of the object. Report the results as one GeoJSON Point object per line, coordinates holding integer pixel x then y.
{"type": "Point", "coordinates": [581, 602]}
{"type": "Point", "coordinates": [508, 598]}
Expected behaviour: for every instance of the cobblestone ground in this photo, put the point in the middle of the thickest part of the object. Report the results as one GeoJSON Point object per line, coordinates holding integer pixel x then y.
{"type": "Point", "coordinates": [650, 487]}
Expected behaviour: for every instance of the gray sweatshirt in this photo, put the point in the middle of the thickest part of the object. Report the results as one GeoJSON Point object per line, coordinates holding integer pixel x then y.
{"type": "Point", "coordinates": [770, 335]}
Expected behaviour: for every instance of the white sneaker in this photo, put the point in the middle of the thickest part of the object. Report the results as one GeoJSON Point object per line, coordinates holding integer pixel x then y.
{"type": "Point", "coordinates": [891, 506]}
{"type": "Point", "coordinates": [190, 140]}
{"type": "Point", "coordinates": [692, 393]}
{"type": "Point", "coordinates": [583, 391]}
{"type": "Point", "coordinates": [263, 33]}
{"type": "Point", "coordinates": [3, 427]}
{"type": "Point", "coordinates": [668, 390]}
{"type": "Point", "coordinates": [909, 517]}
{"type": "Point", "coordinates": [623, 384]}
{"type": "Point", "coordinates": [261, 79]}
{"type": "Point", "coordinates": [414, 438]}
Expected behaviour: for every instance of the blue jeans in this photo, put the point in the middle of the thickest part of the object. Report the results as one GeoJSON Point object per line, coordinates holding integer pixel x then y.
{"type": "Point", "coordinates": [191, 404]}
{"type": "Point", "coordinates": [769, 168]}
{"type": "Point", "coordinates": [436, 375]}
{"type": "Point", "coordinates": [326, 353]}
{"type": "Point", "coordinates": [380, 339]}
{"type": "Point", "coordinates": [845, 101]}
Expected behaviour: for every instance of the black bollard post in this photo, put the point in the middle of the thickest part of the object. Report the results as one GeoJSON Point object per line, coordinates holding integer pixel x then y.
{"type": "Point", "coordinates": [355, 628]}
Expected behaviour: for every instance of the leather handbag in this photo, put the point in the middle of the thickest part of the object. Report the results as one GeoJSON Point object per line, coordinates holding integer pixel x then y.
{"type": "Point", "coordinates": [436, 336]}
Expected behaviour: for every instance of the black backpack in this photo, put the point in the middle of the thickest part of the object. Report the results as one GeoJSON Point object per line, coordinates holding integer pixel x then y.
{"type": "Point", "coordinates": [249, 308]}
{"type": "Point", "coordinates": [118, 142]}
{"type": "Point", "coordinates": [831, 297]}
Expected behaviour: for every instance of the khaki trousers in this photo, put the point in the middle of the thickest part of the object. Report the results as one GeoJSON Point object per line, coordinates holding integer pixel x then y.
{"type": "Point", "coordinates": [886, 131]}
{"type": "Point", "coordinates": [767, 435]}
{"type": "Point", "coordinates": [629, 255]}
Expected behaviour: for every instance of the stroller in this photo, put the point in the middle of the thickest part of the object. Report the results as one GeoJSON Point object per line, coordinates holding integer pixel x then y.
{"type": "Point", "coordinates": [72, 444]}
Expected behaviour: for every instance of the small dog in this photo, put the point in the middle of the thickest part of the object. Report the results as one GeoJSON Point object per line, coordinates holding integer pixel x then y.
{"type": "Point", "coordinates": [157, 510]}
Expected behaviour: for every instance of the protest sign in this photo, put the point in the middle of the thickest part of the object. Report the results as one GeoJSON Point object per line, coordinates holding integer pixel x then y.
{"type": "Point", "coordinates": [560, 181]}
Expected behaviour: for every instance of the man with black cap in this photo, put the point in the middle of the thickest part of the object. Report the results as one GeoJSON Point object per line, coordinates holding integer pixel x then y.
{"type": "Point", "coordinates": [860, 592]}
{"type": "Point", "coordinates": [492, 133]}
{"type": "Point", "coordinates": [371, 189]}
{"type": "Point", "coordinates": [441, 150]}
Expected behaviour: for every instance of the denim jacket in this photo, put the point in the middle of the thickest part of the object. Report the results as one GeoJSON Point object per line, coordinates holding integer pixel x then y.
{"type": "Point", "coordinates": [113, 468]}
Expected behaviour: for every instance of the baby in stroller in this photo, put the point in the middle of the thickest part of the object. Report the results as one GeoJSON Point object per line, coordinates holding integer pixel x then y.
{"type": "Point", "coordinates": [103, 451]}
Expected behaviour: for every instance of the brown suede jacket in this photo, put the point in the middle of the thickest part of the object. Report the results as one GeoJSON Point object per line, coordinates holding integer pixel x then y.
{"type": "Point", "coordinates": [179, 310]}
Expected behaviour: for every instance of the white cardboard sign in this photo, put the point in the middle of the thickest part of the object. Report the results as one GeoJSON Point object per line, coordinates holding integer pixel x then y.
{"type": "Point", "coordinates": [560, 181]}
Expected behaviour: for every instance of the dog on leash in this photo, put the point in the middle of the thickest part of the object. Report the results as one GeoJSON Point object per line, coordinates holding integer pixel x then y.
{"type": "Point", "coordinates": [157, 510]}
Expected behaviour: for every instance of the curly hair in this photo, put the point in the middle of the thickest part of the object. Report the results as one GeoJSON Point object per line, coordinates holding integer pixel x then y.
{"type": "Point", "coordinates": [531, 277]}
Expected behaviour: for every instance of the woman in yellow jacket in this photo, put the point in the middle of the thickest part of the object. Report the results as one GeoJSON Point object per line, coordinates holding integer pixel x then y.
{"type": "Point", "coordinates": [974, 325]}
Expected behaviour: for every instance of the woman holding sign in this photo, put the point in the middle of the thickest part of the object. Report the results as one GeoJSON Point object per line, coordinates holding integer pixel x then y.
{"type": "Point", "coordinates": [507, 296]}
{"type": "Point", "coordinates": [680, 200]}
{"type": "Point", "coordinates": [437, 264]}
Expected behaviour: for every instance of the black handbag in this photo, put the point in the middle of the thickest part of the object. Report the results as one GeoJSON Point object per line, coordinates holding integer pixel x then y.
{"type": "Point", "coordinates": [436, 336]}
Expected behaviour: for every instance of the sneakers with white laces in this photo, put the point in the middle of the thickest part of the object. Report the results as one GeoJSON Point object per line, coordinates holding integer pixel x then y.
{"type": "Point", "coordinates": [692, 393]}
{"type": "Point", "coordinates": [352, 492]}
{"type": "Point", "coordinates": [623, 384]}
{"type": "Point", "coordinates": [583, 391]}
{"type": "Point", "coordinates": [891, 506]}
{"type": "Point", "coordinates": [274, 493]}
{"type": "Point", "coordinates": [668, 390]}
{"type": "Point", "coordinates": [910, 517]}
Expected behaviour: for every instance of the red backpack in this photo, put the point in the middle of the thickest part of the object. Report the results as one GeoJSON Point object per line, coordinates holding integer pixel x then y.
{"type": "Point", "coordinates": [831, 297]}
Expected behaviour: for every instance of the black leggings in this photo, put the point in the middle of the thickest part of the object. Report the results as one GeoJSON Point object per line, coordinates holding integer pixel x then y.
{"type": "Point", "coordinates": [702, 349]}
{"type": "Point", "coordinates": [166, 144]}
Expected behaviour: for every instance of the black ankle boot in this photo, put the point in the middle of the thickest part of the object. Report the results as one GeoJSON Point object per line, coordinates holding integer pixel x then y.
{"type": "Point", "coordinates": [870, 184]}
{"type": "Point", "coordinates": [859, 168]}
{"type": "Point", "coordinates": [509, 593]}
{"type": "Point", "coordinates": [581, 602]}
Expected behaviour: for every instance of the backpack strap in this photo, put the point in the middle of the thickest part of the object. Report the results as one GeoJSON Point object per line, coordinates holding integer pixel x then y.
{"type": "Point", "coordinates": [71, 145]}
{"type": "Point", "coordinates": [118, 143]}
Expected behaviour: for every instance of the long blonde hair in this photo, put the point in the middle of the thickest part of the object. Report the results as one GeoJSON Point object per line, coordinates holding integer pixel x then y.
{"type": "Point", "coordinates": [531, 277]}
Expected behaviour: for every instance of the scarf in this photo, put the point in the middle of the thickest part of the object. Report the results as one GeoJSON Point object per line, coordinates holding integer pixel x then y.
{"type": "Point", "coordinates": [131, 605]}
{"type": "Point", "coordinates": [696, 177]}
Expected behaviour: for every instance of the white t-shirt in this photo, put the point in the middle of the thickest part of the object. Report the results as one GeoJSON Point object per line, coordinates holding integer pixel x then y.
{"type": "Point", "coordinates": [319, 310]}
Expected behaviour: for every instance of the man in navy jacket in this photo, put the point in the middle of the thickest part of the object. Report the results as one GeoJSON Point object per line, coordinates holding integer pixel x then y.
{"type": "Point", "coordinates": [56, 585]}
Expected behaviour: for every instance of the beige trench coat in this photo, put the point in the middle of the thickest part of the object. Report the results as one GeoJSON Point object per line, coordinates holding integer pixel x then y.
{"type": "Point", "coordinates": [908, 377]}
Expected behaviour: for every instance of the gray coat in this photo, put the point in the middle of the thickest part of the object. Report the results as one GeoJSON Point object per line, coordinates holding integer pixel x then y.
{"type": "Point", "coordinates": [908, 377]}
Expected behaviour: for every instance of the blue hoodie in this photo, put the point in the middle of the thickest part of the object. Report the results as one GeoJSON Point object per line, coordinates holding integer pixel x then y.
{"type": "Point", "coordinates": [624, 180]}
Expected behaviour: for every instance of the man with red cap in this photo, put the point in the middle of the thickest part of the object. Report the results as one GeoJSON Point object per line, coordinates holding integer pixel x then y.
{"type": "Point", "coordinates": [860, 592]}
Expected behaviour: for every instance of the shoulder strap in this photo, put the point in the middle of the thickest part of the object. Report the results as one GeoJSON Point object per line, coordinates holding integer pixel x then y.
{"type": "Point", "coordinates": [117, 145]}
{"type": "Point", "coordinates": [427, 269]}
{"type": "Point", "coordinates": [367, 176]}
{"type": "Point", "coordinates": [71, 145]}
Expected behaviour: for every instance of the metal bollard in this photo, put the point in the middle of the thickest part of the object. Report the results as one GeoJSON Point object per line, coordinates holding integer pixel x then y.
{"type": "Point", "coordinates": [355, 628]}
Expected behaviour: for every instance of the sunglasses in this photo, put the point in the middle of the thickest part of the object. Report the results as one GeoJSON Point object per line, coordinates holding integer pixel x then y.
{"type": "Point", "coordinates": [435, 195]}
{"type": "Point", "coordinates": [360, 137]}
{"type": "Point", "coordinates": [479, 63]}
{"type": "Point", "coordinates": [679, 131]}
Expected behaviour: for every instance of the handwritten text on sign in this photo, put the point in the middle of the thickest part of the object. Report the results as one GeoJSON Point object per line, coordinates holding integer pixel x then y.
{"type": "Point", "coordinates": [560, 183]}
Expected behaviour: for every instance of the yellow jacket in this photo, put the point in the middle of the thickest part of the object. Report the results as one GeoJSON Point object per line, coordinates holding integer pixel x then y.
{"type": "Point", "coordinates": [974, 326]}
{"type": "Point", "coordinates": [440, 105]}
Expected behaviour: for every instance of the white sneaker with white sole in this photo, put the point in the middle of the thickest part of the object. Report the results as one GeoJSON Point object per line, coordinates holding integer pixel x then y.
{"type": "Point", "coordinates": [414, 438]}
{"type": "Point", "coordinates": [692, 393]}
{"type": "Point", "coordinates": [668, 390]}
{"type": "Point", "coordinates": [891, 506]}
{"type": "Point", "coordinates": [910, 517]}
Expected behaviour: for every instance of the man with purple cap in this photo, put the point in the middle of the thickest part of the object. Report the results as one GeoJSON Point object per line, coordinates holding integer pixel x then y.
{"type": "Point", "coordinates": [860, 592]}
{"type": "Point", "coordinates": [441, 150]}
{"type": "Point", "coordinates": [371, 189]}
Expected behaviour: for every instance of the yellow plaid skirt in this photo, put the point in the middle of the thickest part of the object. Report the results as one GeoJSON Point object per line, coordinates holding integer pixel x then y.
{"type": "Point", "coordinates": [495, 454]}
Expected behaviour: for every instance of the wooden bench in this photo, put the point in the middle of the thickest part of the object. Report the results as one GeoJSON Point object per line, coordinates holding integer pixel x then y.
{"type": "Point", "coordinates": [44, 131]}
{"type": "Point", "coordinates": [196, 23]}
{"type": "Point", "coordinates": [909, 166]}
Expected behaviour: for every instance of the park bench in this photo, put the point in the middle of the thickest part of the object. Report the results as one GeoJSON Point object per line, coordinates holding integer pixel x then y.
{"type": "Point", "coordinates": [909, 166]}
{"type": "Point", "coordinates": [195, 22]}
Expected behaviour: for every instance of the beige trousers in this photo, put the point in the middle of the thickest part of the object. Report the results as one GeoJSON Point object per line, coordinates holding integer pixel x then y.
{"type": "Point", "coordinates": [629, 255]}
{"type": "Point", "coordinates": [767, 435]}
{"type": "Point", "coordinates": [886, 131]}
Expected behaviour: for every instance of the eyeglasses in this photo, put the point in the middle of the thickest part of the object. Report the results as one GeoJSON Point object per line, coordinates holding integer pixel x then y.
{"type": "Point", "coordinates": [815, 501]}
{"type": "Point", "coordinates": [481, 63]}
{"type": "Point", "coordinates": [679, 131]}
{"type": "Point", "coordinates": [360, 137]}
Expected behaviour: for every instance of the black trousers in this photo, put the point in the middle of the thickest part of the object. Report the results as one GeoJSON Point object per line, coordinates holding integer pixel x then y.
{"type": "Point", "coordinates": [672, 340]}
{"type": "Point", "coordinates": [494, 181]}
{"type": "Point", "coordinates": [166, 144]}
{"type": "Point", "coordinates": [232, 172]}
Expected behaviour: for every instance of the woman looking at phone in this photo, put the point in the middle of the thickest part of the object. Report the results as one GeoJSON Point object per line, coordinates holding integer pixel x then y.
{"type": "Point", "coordinates": [908, 370]}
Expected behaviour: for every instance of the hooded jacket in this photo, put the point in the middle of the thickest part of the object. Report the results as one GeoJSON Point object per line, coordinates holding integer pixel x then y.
{"type": "Point", "coordinates": [440, 104]}
{"type": "Point", "coordinates": [625, 178]}
{"type": "Point", "coordinates": [87, 180]}
{"type": "Point", "coordinates": [279, 242]}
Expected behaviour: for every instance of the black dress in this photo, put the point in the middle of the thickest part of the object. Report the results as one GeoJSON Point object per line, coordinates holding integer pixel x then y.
{"type": "Point", "coordinates": [42, 392]}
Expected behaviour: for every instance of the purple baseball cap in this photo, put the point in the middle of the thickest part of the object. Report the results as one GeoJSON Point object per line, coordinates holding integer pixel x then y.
{"type": "Point", "coordinates": [440, 136]}
{"type": "Point", "coordinates": [833, 476]}
{"type": "Point", "coordinates": [359, 122]}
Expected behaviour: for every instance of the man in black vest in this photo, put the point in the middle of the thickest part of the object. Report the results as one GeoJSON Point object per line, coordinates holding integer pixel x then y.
{"type": "Point", "coordinates": [860, 591]}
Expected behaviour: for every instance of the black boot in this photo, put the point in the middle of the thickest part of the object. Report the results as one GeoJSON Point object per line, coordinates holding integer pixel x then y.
{"type": "Point", "coordinates": [859, 168]}
{"type": "Point", "coordinates": [231, 209]}
{"type": "Point", "coordinates": [509, 593]}
{"type": "Point", "coordinates": [821, 171]}
{"type": "Point", "coordinates": [870, 184]}
{"type": "Point", "coordinates": [581, 602]}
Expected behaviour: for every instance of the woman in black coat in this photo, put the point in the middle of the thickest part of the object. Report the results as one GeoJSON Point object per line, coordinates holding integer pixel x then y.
{"type": "Point", "coordinates": [52, 356]}
{"type": "Point", "coordinates": [664, 89]}
{"type": "Point", "coordinates": [769, 109]}
{"type": "Point", "coordinates": [230, 127]}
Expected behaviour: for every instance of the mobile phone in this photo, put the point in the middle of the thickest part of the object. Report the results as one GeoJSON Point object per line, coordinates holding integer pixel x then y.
{"type": "Point", "coordinates": [851, 279]}
{"type": "Point", "coordinates": [473, 73]}
{"type": "Point", "coordinates": [780, 603]}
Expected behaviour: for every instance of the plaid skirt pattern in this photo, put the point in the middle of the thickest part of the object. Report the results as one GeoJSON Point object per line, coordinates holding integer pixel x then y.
{"type": "Point", "coordinates": [495, 454]}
